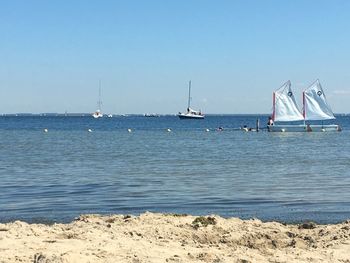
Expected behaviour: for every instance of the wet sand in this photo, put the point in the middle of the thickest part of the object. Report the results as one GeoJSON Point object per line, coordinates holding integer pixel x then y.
{"type": "Point", "coordinates": [153, 237]}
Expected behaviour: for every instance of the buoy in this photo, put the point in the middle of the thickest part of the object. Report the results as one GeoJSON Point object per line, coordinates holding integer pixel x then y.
{"type": "Point", "coordinates": [168, 130]}
{"type": "Point", "coordinates": [46, 130]}
{"type": "Point", "coordinates": [207, 130]}
{"type": "Point", "coordinates": [129, 130]}
{"type": "Point", "coordinates": [283, 130]}
{"type": "Point", "coordinates": [323, 130]}
{"type": "Point", "coordinates": [89, 130]}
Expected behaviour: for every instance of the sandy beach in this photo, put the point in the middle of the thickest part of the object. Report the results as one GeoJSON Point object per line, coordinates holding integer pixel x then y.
{"type": "Point", "coordinates": [153, 237]}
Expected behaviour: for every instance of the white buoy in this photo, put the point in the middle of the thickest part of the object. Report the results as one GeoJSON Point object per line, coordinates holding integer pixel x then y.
{"type": "Point", "coordinates": [283, 130]}
{"type": "Point", "coordinates": [129, 130]}
{"type": "Point", "coordinates": [323, 130]}
{"type": "Point", "coordinates": [207, 130]}
{"type": "Point", "coordinates": [168, 130]}
{"type": "Point", "coordinates": [89, 130]}
{"type": "Point", "coordinates": [46, 130]}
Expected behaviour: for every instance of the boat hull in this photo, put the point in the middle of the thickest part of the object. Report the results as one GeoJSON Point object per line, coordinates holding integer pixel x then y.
{"type": "Point", "coordinates": [190, 116]}
{"type": "Point", "coordinates": [97, 115]}
{"type": "Point", "coordinates": [304, 128]}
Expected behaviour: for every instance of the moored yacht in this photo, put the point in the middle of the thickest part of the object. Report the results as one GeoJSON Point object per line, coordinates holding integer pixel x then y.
{"type": "Point", "coordinates": [190, 113]}
{"type": "Point", "coordinates": [98, 114]}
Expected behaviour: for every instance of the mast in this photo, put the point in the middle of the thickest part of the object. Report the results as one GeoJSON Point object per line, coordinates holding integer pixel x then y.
{"type": "Point", "coordinates": [304, 107]}
{"type": "Point", "coordinates": [273, 106]}
{"type": "Point", "coordinates": [99, 103]}
{"type": "Point", "coordinates": [189, 95]}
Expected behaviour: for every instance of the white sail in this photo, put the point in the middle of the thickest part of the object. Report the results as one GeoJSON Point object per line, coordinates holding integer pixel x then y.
{"type": "Point", "coordinates": [284, 106]}
{"type": "Point", "coordinates": [315, 103]}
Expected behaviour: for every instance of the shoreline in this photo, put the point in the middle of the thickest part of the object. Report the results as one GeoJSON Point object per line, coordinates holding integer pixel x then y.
{"type": "Point", "coordinates": [50, 221]}
{"type": "Point", "coordinates": [154, 237]}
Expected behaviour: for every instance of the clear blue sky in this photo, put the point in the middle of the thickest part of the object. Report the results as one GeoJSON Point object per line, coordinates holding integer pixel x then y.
{"type": "Point", "coordinates": [52, 54]}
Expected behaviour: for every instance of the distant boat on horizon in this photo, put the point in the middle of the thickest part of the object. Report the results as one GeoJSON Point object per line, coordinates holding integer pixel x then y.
{"type": "Point", "coordinates": [98, 113]}
{"type": "Point", "coordinates": [191, 113]}
{"type": "Point", "coordinates": [315, 108]}
{"type": "Point", "coordinates": [151, 115]}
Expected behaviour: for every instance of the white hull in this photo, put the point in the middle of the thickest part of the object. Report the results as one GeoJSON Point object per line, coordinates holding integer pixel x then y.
{"type": "Point", "coordinates": [190, 116]}
{"type": "Point", "coordinates": [97, 115]}
{"type": "Point", "coordinates": [304, 128]}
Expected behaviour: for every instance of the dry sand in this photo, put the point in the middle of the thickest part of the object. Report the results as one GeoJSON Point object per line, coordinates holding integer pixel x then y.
{"type": "Point", "coordinates": [154, 237]}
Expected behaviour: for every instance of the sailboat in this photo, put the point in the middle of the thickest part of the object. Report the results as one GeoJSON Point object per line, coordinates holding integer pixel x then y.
{"type": "Point", "coordinates": [191, 113]}
{"type": "Point", "coordinates": [315, 108]}
{"type": "Point", "coordinates": [98, 114]}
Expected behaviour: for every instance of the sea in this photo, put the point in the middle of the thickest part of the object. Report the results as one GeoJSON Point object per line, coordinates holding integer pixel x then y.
{"type": "Point", "coordinates": [163, 164]}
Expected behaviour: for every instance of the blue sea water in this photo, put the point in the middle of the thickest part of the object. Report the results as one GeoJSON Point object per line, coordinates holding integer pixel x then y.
{"type": "Point", "coordinates": [58, 175]}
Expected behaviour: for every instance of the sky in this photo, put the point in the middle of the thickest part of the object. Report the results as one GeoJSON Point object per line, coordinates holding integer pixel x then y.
{"type": "Point", "coordinates": [236, 53]}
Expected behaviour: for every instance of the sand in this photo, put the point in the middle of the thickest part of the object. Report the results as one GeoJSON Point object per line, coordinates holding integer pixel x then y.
{"type": "Point", "coordinates": [153, 237]}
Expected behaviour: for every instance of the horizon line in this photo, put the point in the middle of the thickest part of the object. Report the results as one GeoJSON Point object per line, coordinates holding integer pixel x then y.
{"type": "Point", "coordinates": [82, 114]}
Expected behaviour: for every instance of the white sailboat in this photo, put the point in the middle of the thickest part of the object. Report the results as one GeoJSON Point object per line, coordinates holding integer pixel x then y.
{"type": "Point", "coordinates": [191, 113]}
{"type": "Point", "coordinates": [98, 114]}
{"type": "Point", "coordinates": [315, 108]}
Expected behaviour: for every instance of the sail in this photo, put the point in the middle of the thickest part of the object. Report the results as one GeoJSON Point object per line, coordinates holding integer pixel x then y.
{"type": "Point", "coordinates": [285, 107]}
{"type": "Point", "coordinates": [315, 103]}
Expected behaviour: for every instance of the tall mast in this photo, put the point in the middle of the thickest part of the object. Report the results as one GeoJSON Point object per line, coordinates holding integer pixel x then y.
{"type": "Point", "coordinates": [99, 103]}
{"type": "Point", "coordinates": [189, 94]}
{"type": "Point", "coordinates": [304, 106]}
{"type": "Point", "coordinates": [273, 106]}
